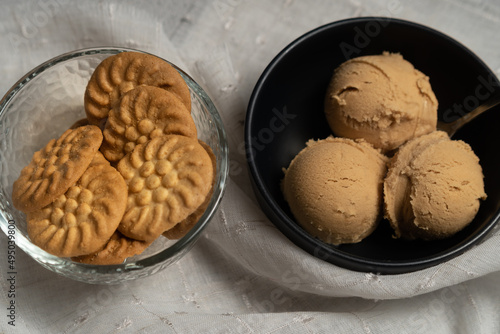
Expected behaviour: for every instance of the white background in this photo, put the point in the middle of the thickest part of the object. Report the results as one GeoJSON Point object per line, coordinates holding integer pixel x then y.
{"type": "Point", "coordinates": [243, 275]}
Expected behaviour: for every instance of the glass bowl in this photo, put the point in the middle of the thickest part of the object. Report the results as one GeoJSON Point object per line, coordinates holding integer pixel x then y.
{"type": "Point", "coordinates": [46, 102]}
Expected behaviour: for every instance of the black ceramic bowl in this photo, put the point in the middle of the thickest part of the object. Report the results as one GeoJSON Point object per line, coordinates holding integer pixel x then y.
{"type": "Point", "coordinates": [286, 109]}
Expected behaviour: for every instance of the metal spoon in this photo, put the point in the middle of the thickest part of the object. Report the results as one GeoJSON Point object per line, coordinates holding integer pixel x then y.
{"type": "Point", "coordinates": [452, 127]}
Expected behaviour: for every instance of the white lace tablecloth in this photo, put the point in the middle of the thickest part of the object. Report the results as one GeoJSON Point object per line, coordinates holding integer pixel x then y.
{"type": "Point", "coordinates": [243, 275]}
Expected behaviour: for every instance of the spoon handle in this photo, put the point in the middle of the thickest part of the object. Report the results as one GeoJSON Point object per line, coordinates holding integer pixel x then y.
{"type": "Point", "coordinates": [453, 127]}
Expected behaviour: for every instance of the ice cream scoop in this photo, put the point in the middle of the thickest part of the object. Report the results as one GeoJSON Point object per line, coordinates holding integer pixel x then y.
{"type": "Point", "coordinates": [433, 187]}
{"type": "Point", "coordinates": [382, 99]}
{"type": "Point", "coordinates": [334, 189]}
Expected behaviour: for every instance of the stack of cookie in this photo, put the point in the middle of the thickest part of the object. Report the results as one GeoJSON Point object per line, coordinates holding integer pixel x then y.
{"type": "Point", "coordinates": [133, 170]}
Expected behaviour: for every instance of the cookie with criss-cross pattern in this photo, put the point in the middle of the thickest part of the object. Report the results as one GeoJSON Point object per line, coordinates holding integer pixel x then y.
{"type": "Point", "coordinates": [55, 168]}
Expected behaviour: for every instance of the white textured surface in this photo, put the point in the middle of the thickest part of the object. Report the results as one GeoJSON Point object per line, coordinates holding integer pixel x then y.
{"type": "Point", "coordinates": [243, 276]}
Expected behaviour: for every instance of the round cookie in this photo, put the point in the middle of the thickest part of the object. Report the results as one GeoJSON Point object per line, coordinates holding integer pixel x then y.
{"type": "Point", "coordinates": [98, 160]}
{"type": "Point", "coordinates": [168, 178]}
{"type": "Point", "coordinates": [144, 113]}
{"type": "Point", "coordinates": [55, 168]}
{"type": "Point", "coordinates": [83, 219]}
{"type": "Point", "coordinates": [115, 251]}
{"type": "Point", "coordinates": [79, 123]}
{"type": "Point", "coordinates": [180, 230]}
{"type": "Point", "coordinates": [118, 74]}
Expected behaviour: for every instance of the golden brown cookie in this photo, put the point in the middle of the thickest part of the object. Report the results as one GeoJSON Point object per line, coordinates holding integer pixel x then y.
{"type": "Point", "coordinates": [79, 123]}
{"type": "Point", "coordinates": [118, 74]}
{"type": "Point", "coordinates": [144, 113]}
{"type": "Point", "coordinates": [168, 177]}
{"type": "Point", "coordinates": [55, 168]}
{"type": "Point", "coordinates": [83, 219]}
{"type": "Point", "coordinates": [98, 159]}
{"type": "Point", "coordinates": [115, 251]}
{"type": "Point", "coordinates": [180, 230]}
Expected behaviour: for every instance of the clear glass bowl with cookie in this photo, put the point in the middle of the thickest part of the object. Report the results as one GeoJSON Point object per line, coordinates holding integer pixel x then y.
{"type": "Point", "coordinates": [113, 161]}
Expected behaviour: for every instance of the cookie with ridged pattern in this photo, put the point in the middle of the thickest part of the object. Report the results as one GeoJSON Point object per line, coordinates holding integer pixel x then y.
{"type": "Point", "coordinates": [119, 73]}
{"type": "Point", "coordinates": [144, 113]}
{"type": "Point", "coordinates": [182, 228]}
{"type": "Point", "coordinates": [79, 123]}
{"type": "Point", "coordinates": [168, 177]}
{"type": "Point", "coordinates": [55, 168]}
{"type": "Point", "coordinates": [83, 219]}
{"type": "Point", "coordinates": [115, 251]}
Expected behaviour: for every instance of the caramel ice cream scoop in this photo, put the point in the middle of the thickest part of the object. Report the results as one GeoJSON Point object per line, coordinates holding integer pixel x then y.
{"type": "Point", "coordinates": [334, 189]}
{"type": "Point", "coordinates": [433, 187]}
{"type": "Point", "coordinates": [382, 99]}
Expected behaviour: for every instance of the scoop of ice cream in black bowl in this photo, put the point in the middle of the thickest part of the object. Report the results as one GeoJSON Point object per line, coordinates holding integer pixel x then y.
{"type": "Point", "coordinates": [287, 109]}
